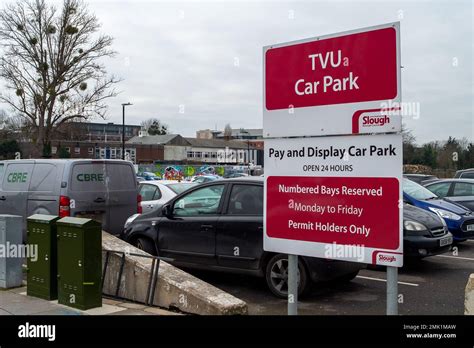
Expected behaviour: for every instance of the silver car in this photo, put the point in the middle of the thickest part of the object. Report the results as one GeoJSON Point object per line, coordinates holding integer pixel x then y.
{"type": "Point", "coordinates": [157, 192]}
{"type": "Point", "coordinates": [105, 190]}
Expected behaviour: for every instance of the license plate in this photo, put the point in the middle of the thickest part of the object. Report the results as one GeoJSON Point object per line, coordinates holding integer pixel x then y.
{"type": "Point", "coordinates": [446, 241]}
{"type": "Point", "coordinates": [470, 228]}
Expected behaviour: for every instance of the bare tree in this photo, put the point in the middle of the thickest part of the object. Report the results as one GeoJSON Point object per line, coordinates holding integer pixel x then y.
{"type": "Point", "coordinates": [52, 64]}
{"type": "Point", "coordinates": [155, 127]}
{"type": "Point", "coordinates": [227, 132]}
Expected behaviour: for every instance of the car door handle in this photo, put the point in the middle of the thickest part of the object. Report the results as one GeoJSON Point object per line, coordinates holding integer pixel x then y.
{"type": "Point", "coordinates": [206, 227]}
{"type": "Point", "coordinates": [99, 200]}
{"type": "Point", "coordinates": [3, 198]}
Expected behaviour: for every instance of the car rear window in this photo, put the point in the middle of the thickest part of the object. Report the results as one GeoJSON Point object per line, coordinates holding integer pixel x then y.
{"type": "Point", "coordinates": [103, 176]}
{"type": "Point", "coordinates": [180, 187]}
{"type": "Point", "coordinates": [121, 177]}
{"type": "Point", "coordinates": [468, 175]}
{"type": "Point", "coordinates": [88, 177]}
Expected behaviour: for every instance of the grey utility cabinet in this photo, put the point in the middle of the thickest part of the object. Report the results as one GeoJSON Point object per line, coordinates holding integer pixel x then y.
{"type": "Point", "coordinates": [11, 257]}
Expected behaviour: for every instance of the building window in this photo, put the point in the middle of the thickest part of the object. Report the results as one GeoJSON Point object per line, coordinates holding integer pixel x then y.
{"type": "Point", "coordinates": [214, 155]}
{"type": "Point", "coordinates": [198, 154]}
{"type": "Point", "coordinates": [190, 154]}
{"type": "Point", "coordinates": [68, 149]}
{"type": "Point", "coordinates": [77, 150]}
{"type": "Point", "coordinates": [54, 150]}
{"type": "Point", "coordinates": [90, 150]}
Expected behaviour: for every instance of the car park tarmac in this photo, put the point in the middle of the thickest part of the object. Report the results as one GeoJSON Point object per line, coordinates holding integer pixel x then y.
{"type": "Point", "coordinates": [432, 286]}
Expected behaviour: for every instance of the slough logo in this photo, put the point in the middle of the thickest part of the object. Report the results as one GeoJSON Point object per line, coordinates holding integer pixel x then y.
{"type": "Point", "coordinates": [386, 258]}
{"type": "Point", "coordinates": [378, 120]}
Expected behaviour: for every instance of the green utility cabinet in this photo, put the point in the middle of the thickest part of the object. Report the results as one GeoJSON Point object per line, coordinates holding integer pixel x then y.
{"type": "Point", "coordinates": [79, 262]}
{"type": "Point", "coordinates": [42, 267]}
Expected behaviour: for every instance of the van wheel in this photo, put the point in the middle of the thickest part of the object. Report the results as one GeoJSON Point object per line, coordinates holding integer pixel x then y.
{"type": "Point", "coordinates": [276, 275]}
{"type": "Point", "coordinates": [146, 245]}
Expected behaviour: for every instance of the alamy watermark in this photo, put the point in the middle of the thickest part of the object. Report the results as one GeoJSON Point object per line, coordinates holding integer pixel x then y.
{"type": "Point", "coordinates": [347, 252]}
{"type": "Point", "coordinates": [9, 250]}
{"type": "Point", "coordinates": [404, 109]}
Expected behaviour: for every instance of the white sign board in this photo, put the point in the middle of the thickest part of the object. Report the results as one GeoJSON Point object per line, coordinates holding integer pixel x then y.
{"type": "Point", "coordinates": [335, 197]}
{"type": "Point", "coordinates": [345, 83]}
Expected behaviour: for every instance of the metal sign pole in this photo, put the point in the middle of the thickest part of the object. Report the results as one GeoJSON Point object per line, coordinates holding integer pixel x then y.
{"type": "Point", "coordinates": [392, 290]}
{"type": "Point", "coordinates": [292, 284]}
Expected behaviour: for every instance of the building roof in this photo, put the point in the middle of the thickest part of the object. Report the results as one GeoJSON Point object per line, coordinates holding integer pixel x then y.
{"type": "Point", "coordinates": [153, 139]}
{"type": "Point", "coordinates": [176, 139]}
{"type": "Point", "coordinates": [242, 132]}
{"type": "Point", "coordinates": [88, 124]}
{"type": "Point", "coordinates": [217, 143]}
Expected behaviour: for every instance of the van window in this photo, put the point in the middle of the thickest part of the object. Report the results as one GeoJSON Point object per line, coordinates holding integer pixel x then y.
{"type": "Point", "coordinates": [17, 177]}
{"type": "Point", "coordinates": [44, 177]}
{"type": "Point", "coordinates": [88, 177]}
{"type": "Point", "coordinates": [121, 177]}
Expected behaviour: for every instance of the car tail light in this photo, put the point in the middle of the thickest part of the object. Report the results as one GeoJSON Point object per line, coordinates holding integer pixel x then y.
{"type": "Point", "coordinates": [64, 206]}
{"type": "Point", "coordinates": [139, 206]}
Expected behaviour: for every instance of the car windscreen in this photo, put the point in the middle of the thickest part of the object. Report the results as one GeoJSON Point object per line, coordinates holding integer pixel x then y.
{"type": "Point", "coordinates": [180, 187]}
{"type": "Point", "coordinates": [417, 191]}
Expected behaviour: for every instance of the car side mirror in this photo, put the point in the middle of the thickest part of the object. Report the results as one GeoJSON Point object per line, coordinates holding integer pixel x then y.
{"type": "Point", "coordinates": [166, 210]}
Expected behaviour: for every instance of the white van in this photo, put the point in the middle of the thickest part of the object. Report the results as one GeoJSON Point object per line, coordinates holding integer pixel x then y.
{"type": "Point", "coordinates": [105, 190]}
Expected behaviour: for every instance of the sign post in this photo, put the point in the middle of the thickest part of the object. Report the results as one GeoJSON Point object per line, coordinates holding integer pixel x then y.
{"type": "Point", "coordinates": [333, 151]}
{"type": "Point", "coordinates": [392, 290]}
{"type": "Point", "coordinates": [292, 284]}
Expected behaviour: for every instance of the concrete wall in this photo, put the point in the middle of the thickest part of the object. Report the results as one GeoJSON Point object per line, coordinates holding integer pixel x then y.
{"type": "Point", "coordinates": [175, 288]}
{"type": "Point", "coordinates": [175, 153]}
{"type": "Point", "coordinates": [469, 296]}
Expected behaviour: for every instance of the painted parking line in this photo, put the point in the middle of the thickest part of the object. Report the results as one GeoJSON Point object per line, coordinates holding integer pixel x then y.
{"type": "Point", "coordinates": [456, 257]}
{"type": "Point", "coordinates": [385, 280]}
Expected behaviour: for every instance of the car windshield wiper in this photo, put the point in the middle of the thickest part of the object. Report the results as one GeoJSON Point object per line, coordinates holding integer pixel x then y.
{"type": "Point", "coordinates": [431, 198]}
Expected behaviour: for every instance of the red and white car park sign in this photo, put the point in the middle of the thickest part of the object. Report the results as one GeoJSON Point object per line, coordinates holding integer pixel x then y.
{"type": "Point", "coordinates": [326, 84]}
{"type": "Point", "coordinates": [337, 197]}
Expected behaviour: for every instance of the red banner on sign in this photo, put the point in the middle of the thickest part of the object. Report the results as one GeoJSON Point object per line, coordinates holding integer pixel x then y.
{"type": "Point", "coordinates": [352, 68]}
{"type": "Point", "coordinates": [342, 210]}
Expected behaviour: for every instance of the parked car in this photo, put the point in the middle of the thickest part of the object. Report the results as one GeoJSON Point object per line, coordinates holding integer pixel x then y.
{"type": "Point", "coordinates": [236, 175]}
{"type": "Point", "coordinates": [219, 226]}
{"type": "Point", "coordinates": [460, 221]}
{"type": "Point", "coordinates": [421, 179]}
{"type": "Point", "coordinates": [148, 176]}
{"type": "Point", "coordinates": [424, 233]}
{"type": "Point", "coordinates": [205, 178]}
{"type": "Point", "coordinates": [465, 174]}
{"type": "Point", "coordinates": [460, 191]}
{"type": "Point", "coordinates": [105, 190]}
{"type": "Point", "coordinates": [156, 193]}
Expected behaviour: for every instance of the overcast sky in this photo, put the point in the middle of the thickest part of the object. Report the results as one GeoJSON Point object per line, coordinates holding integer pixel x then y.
{"type": "Point", "coordinates": [205, 58]}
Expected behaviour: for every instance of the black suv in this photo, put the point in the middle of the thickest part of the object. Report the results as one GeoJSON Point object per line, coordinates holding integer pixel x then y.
{"type": "Point", "coordinates": [219, 226]}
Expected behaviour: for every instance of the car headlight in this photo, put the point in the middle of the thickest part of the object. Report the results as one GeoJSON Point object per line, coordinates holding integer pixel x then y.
{"type": "Point", "coordinates": [445, 214]}
{"type": "Point", "coordinates": [413, 226]}
{"type": "Point", "coordinates": [130, 220]}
